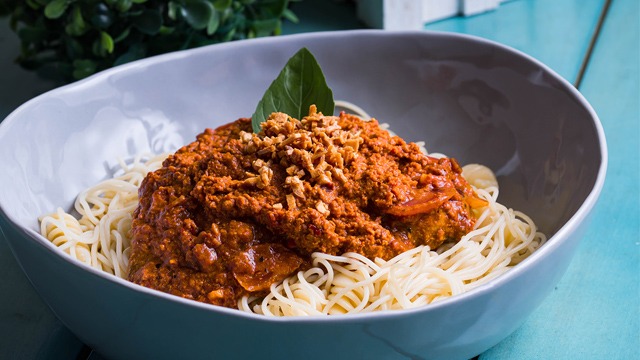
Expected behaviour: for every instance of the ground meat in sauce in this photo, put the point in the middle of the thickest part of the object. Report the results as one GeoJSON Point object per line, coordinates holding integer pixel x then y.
{"type": "Point", "coordinates": [234, 212]}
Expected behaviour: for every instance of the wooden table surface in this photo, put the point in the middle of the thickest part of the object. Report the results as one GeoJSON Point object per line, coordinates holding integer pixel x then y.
{"type": "Point", "coordinates": [594, 312]}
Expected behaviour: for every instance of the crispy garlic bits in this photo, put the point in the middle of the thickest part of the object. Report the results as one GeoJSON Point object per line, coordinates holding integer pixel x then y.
{"type": "Point", "coordinates": [314, 149]}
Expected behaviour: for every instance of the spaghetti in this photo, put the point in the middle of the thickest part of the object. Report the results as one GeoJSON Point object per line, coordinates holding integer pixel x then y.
{"type": "Point", "coordinates": [99, 236]}
{"type": "Point", "coordinates": [351, 283]}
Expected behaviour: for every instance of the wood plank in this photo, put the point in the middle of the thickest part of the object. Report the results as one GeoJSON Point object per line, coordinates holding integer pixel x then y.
{"type": "Point", "coordinates": [555, 32]}
{"type": "Point", "coordinates": [594, 312]}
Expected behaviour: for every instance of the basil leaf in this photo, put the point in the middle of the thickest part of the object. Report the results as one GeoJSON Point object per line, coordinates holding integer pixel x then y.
{"type": "Point", "coordinates": [299, 85]}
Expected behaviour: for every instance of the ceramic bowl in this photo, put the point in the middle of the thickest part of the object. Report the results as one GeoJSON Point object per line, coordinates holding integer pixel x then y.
{"type": "Point", "coordinates": [466, 97]}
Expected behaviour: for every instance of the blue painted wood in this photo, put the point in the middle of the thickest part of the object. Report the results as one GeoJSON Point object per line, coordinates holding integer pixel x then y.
{"type": "Point", "coordinates": [555, 32]}
{"type": "Point", "coordinates": [594, 312]}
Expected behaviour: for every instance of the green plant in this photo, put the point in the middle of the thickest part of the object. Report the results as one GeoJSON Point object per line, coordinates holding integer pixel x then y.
{"type": "Point", "coordinates": [66, 40]}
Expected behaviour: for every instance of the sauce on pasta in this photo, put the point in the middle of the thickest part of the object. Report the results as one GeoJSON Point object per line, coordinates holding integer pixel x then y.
{"type": "Point", "coordinates": [234, 212]}
{"type": "Point", "coordinates": [319, 216]}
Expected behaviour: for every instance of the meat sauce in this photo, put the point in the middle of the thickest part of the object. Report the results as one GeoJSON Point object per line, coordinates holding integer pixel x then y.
{"type": "Point", "coordinates": [234, 212]}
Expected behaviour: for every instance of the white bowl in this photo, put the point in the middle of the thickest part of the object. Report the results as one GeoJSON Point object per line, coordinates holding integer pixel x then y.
{"type": "Point", "coordinates": [466, 97]}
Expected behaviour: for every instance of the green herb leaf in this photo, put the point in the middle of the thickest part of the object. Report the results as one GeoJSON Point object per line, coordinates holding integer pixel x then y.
{"type": "Point", "coordinates": [299, 85]}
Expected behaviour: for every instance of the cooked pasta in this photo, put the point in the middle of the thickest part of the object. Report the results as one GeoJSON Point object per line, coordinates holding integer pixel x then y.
{"type": "Point", "coordinates": [352, 283]}
{"type": "Point", "coordinates": [99, 236]}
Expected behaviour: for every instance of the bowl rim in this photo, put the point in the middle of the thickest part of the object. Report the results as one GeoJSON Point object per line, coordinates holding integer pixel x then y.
{"type": "Point", "coordinates": [552, 243]}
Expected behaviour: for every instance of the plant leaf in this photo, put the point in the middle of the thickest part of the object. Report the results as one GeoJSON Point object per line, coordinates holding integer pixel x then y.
{"type": "Point", "coordinates": [149, 22]}
{"type": "Point", "coordinates": [265, 27]}
{"type": "Point", "coordinates": [55, 9]}
{"type": "Point", "coordinates": [172, 10]}
{"type": "Point", "coordinates": [124, 5]}
{"type": "Point", "coordinates": [221, 5]}
{"type": "Point", "coordinates": [214, 22]}
{"type": "Point", "coordinates": [106, 41]}
{"type": "Point", "coordinates": [33, 34]}
{"type": "Point", "coordinates": [123, 35]}
{"type": "Point", "coordinates": [197, 13]}
{"type": "Point", "coordinates": [73, 48]}
{"type": "Point", "coordinates": [299, 85]}
{"type": "Point", "coordinates": [135, 52]}
{"type": "Point", "coordinates": [76, 25]}
{"type": "Point", "coordinates": [290, 15]}
{"type": "Point", "coordinates": [83, 68]}
{"type": "Point", "coordinates": [272, 8]}
{"type": "Point", "coordinates": [31, 4]}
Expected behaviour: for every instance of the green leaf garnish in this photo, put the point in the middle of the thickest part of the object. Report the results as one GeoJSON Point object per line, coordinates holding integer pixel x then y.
{"type": "Point", "coordinates": [299, 85]}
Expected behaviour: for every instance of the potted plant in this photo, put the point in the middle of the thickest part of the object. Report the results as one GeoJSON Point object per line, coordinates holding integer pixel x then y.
{"type": "Point", "coordinates": [67, 40]}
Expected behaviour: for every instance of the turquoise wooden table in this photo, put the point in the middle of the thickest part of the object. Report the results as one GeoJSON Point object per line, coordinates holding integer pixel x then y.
{"type": "Point", "coordinates": [594, 312]}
